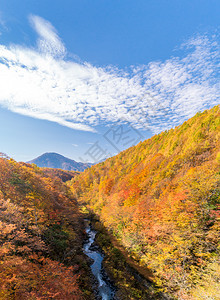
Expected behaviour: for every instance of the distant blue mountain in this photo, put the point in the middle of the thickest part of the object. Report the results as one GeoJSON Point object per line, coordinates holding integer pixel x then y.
{"type": "Point", "coordinates": [57, 161]}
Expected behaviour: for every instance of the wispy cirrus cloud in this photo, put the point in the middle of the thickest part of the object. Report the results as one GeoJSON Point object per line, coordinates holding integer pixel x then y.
{"type": "Point", "coordinates": [48, 42]}
{"type": "Point", "coordinates": [43, 83]}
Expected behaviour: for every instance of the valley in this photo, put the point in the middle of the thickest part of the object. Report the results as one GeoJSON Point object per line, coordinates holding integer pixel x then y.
{"type": "Point", "coordinates": [143, 224]}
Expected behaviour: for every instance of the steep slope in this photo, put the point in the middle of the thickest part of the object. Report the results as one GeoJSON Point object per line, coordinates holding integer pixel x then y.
{"type": "Point", "coordinates": [41, 232]}
{"type": "Point", "coordinates": [57, 161]}
{"type": "Point", "coordinates": [161, 200]}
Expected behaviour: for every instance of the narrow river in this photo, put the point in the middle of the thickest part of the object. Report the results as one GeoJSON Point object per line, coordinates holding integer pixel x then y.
{"type": "Point", "coordinates": [105, 290]}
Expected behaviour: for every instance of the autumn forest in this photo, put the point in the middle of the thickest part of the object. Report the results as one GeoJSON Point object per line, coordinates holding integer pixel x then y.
{"type": "Point", "coordinates": [155, 206]}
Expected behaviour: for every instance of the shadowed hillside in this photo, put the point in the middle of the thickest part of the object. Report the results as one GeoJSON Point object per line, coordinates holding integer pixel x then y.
{"type": "Point", "coordinates": [62, 174]}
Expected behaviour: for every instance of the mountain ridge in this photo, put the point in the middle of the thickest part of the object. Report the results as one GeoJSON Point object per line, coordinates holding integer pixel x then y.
{"type": "Point", "coordinates": [57, 161]}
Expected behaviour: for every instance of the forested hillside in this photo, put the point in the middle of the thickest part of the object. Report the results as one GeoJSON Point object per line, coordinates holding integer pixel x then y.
{"type": "Point", "coordinates": [161, 200]}
{"type": "Point", "coordinates": [62, 174]}
{"type": "Point", "coordinates": [40, 236]}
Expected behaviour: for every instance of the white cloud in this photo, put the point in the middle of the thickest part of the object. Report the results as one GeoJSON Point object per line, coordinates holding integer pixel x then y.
{"type": "Point", "coordinates": [75, 145]}
{"type": "Point", "coordinates": [42, 84]}
{"type": "Point", "coordinates": [49, 41]}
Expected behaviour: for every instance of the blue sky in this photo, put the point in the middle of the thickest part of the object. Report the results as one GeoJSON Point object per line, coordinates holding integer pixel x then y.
{"type": "Point", "coordinates": [90, 78]}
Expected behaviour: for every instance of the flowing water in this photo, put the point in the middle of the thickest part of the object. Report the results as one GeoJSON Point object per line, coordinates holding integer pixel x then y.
{"type": "Point", "coordinates": [105, 290]}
